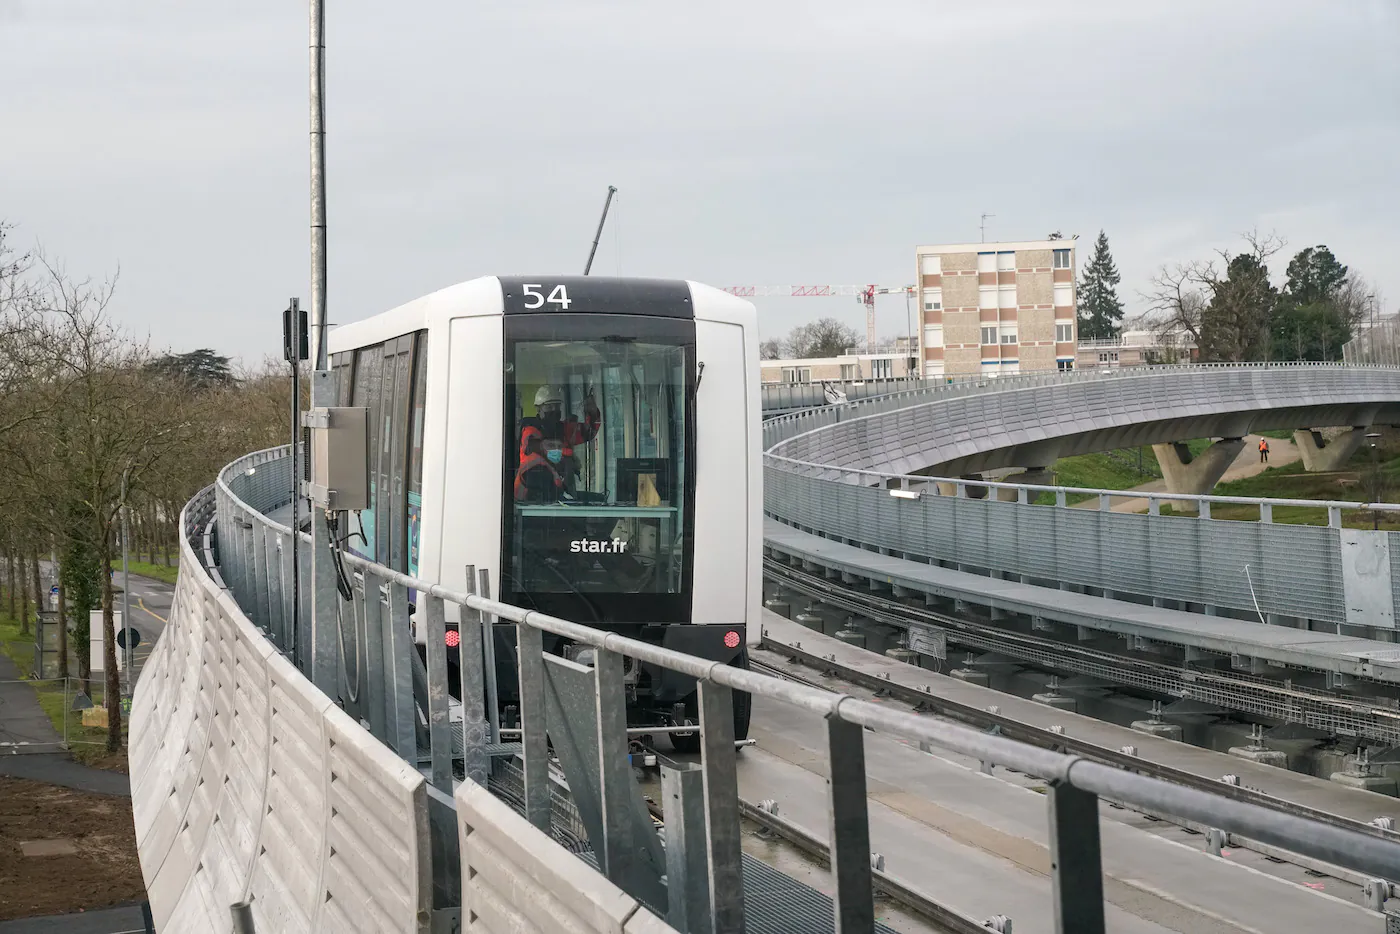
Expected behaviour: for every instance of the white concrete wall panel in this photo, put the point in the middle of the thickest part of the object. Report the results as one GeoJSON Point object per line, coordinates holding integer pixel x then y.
{"type": "Point", "coordinates": [285, 884]}
{"type": "Point", "coordinates": [377, 871]}
{"type": "Point", "coordinates": [247, 783]}
{"type": "Point", "coordinates": [517, 880]}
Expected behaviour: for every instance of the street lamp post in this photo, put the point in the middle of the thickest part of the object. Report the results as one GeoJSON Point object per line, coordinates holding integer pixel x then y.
{"type": "Point", "coordinates": [126, 593]}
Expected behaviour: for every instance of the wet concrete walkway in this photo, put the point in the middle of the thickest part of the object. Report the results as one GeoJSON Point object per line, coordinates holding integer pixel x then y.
{"type": "Point", "coordinates": [31, 748]}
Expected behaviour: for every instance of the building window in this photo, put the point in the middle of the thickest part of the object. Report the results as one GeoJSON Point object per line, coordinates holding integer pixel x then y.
{"type": "Point", "coordinates": [797, 374]}
{"type": "Point", "coordinates": [933, 300]}
{"type": "Point", "coordinates": [989, 335]}
{"type": "Point", "coordinates": [986, 262]}
{"type": "Point", "coordinates": [1006, 261]}
{"type": "Point", "coordinates": [1006, 296]}
{"type": "Point", "coordinates": [1064, 333]}
{"type": "Point", "coordinates": [1064, 365]}
{"type": "Point", "coordinates": [1111, 357]}
{"type": "Point", "coordinates": [849, 371]}
{"type": "Point", "coordinates": [1010, 368]}
{"type": "Point", "coordinates": [1008, 337]}
{"type": "Point", "coordinates": [987, 297]}
{"type": "Point", "coordinates": [1062, 259]}
{"type": "Point", "coordinates": [933, 335]}
{"type": "Point", "coordinates": [931, 265]}
{"type": "Point", "coordinates": [1064, 295]}
{"type": "Point", "coordinates": [882, 368]}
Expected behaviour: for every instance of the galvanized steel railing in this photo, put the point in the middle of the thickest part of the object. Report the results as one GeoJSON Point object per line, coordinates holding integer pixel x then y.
{"type": "Point", "coordinates": [1028, 531]}
{"type": "Point", "coordinates": [250, 548]}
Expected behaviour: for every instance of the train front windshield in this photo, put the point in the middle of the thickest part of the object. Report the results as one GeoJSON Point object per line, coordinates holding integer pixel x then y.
{"type": "Point", "coordinates": [598, 480]}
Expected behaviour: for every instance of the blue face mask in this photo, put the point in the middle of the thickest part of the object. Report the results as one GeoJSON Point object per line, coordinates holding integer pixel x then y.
{"type": "Point", "coordinates": [555, 455]}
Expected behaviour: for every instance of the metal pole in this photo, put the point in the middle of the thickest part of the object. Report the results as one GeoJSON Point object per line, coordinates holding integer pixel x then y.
{"type": "Point", "coordinates": [599, 235]}
{"type": "Point", "coordinates": [242, 917]}
{"type": "Point", "coordinates": [295, 635]}
{"type": "Point", "coordinates": [318, 184]}
{"type": "Point", "coordinates": [126, 590]}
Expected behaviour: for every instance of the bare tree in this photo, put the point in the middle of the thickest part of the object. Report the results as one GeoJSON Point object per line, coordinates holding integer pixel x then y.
{"type": "Point", "coordinates": [770, 349]}
{"type": "Point", "coordinates": [1176, 302]}
{"type": "Point", "coordinates": [825, 337]}
{"type": "Point", "coordinates": [1227, 311]}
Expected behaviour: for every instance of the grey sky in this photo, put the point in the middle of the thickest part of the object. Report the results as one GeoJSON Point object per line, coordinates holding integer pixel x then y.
{"type": "Point", "coordinates": [753, 142]}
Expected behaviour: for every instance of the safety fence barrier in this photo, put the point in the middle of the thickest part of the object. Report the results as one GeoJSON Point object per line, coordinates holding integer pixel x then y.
{"type": "Point", "coordinates": [1325, 573]}
{"type": "Point", "coordinates": [219, 700]}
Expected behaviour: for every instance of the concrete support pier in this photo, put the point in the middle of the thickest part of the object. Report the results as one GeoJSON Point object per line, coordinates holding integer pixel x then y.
{"type": "Point", "coordinates": [971, 676]}
{"type": "Point", "coordinates": [1198, 475]}
{"type": "Point", "coordinates": [1261, 754]}
{"type": "Point", "coordinates": [1040, 476]}
{"type": "Point", "coordinates": [1368, 782]}
{"type": "Point", "coordinates": [1320, 455]}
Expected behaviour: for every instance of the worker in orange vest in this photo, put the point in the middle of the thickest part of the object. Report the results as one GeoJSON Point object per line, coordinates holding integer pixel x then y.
{"type": "Point", "coordinates": [1263, 450]}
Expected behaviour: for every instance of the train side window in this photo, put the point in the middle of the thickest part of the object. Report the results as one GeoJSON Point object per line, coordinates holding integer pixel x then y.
{"type": "Point", "coordinates": [368, 366]}
{"type": "Point", "coordinates": [415, 449]}
{"type": "Point", "coordinates": [397, 453]}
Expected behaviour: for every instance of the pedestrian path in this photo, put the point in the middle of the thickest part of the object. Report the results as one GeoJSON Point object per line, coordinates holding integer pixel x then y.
{"type": "Point", "coordinates": [56, 768]}
{"type": "Point", "coordinates": [125, 919]}
{"type": "Point", "coordinates": [24, 727]}
{"type": "Point", "coordinates": [31, 748]}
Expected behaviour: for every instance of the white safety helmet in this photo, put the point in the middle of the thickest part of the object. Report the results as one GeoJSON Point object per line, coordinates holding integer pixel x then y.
{"type": "Point", "coordinates": [547, 394]}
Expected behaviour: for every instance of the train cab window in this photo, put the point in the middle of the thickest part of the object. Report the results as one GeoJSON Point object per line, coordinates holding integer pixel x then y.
{"type": "Point", "coordinates": [597, 490]}
{"type": "Point", "coordinates": [365, 392]}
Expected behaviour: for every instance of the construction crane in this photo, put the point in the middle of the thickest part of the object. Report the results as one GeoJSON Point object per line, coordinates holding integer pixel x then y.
{"type": "Point", "coordinates": [865, 294]}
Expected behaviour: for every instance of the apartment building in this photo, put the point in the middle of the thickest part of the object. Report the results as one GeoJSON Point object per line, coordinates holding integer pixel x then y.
{"type": "Point", "coordinates": [1138, 347]}
{"type": "Point", "coordinates": [997, 308]}
{"type": "Point", "coordinates": [895, 364]}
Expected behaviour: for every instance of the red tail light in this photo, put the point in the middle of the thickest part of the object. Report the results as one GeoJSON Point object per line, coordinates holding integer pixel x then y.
{"type": "Point", "coordinates": [731, 639]}
{"type": "Point", "coordinates": [454, 638]}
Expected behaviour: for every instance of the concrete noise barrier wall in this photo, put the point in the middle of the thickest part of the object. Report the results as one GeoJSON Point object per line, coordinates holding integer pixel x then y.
{"type": "Point", "coordinates": [249, 783]}
{"type": "Point", "coordinates": [516, 880]}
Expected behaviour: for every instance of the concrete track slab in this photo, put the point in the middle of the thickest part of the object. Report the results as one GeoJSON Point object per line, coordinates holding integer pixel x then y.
{"type": "Point", "coordinates": [1301, 789]}
{"type": "Point", "coordinates": [1277, 644]}
{"type": "Point", "coordinates": [978, 843]}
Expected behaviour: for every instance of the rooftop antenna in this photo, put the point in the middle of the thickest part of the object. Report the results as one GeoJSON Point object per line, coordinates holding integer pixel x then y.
{"type": "Point", "coordinates": [598, 236]}
{"type": "Point", "coordinates": [984, 225]}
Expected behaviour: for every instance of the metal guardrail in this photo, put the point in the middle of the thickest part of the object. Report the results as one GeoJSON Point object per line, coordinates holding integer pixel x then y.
{"type": "Point", "coordinates": [1333, 712]}
{"type": "Point", "coordinates": [1280, 569]}
{"type": "Point", "coordinates": [1075, 784]}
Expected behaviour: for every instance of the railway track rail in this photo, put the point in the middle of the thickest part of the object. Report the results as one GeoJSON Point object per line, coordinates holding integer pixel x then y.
{"type": "Point", "coordinates": [1346, 716]}
{"type": "Point", "coordinates": [1014, 729]}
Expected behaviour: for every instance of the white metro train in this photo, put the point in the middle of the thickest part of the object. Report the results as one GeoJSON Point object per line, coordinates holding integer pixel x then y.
{"type": "Point", "coordinates": [592, 442]}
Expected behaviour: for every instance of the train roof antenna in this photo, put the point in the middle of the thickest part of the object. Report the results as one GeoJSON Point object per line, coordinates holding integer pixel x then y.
{"type": "Point", "coordinates": [598, 236]}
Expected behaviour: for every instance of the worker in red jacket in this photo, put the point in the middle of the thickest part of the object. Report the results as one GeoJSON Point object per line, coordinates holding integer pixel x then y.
{"type": "Point", "coordinates": [547, 443]}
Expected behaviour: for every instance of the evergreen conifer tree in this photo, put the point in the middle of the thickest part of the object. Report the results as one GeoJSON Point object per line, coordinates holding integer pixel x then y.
{"type": "Point", "coordinates": [1100, 309]}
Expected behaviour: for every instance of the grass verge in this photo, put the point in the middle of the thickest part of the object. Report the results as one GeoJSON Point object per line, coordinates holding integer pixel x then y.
{"type": "Point", "coordinates": [158, 572]}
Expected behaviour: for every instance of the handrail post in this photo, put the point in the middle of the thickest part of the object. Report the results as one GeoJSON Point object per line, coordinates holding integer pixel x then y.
{"type": "Point", "coordinates": [722, 839]}
{"type": "Point", "coordinates": [1076, 871]}
{"type": "Point", "coordinates": [470, 652]}
{"type": "Point", "coordinates": [853, 900]}
{"type": "Point", "coordinates": [439, 727]}
{"type": "Point", "coordinates": [533, 735]}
